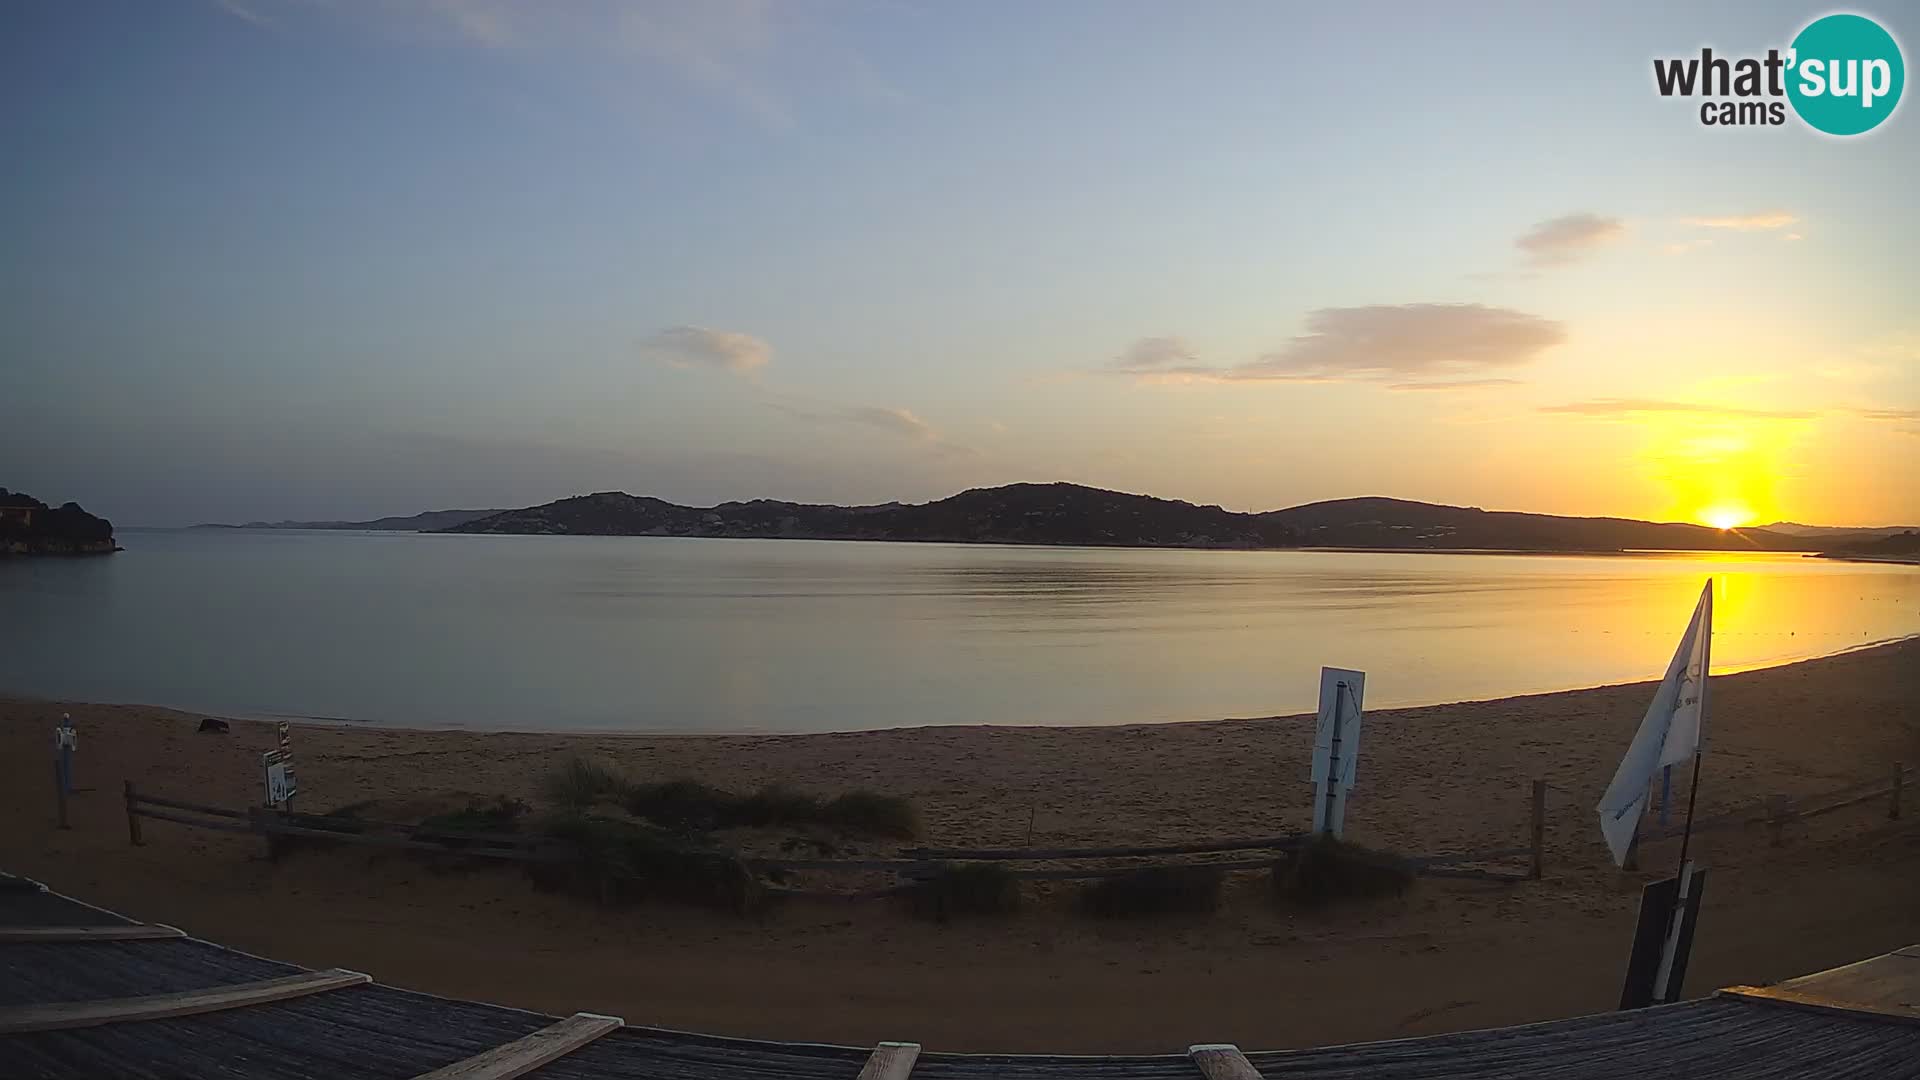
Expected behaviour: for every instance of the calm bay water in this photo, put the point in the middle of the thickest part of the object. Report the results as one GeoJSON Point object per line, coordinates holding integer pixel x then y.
{"type": "Point", "coordinates": [656, 633]}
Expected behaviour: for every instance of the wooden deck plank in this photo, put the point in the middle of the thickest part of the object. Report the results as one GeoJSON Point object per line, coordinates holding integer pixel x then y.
{"type": "Point", "coordinates": [17, 935]}
{"type": "Point", "coordinates": [1222, 1061]}
{"type": "Point", "coordinates": [1797, 999]}
{"type": "Point", "coordinates": [891, 1061]}
{"type": "Point", "coordinates": [75, 1014]}
{"type": "Point", "coordinates": [1890, 980]}
{"type": "Point", "coordinates": [522, 1056]}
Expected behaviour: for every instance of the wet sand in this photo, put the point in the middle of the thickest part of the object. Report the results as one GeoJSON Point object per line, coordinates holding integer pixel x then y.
{"type": "Point", "coordinates": [1447, 956]}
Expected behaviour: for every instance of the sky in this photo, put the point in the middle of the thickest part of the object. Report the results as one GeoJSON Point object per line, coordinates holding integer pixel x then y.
{"type": "Point", "coordinates": [334, 259]}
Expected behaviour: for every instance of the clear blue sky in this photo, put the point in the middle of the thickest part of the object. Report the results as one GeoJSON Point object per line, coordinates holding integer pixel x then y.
{"type": "Point", "coordinates": [296, 258]}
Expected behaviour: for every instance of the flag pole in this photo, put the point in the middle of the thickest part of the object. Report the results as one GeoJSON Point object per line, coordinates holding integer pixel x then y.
{"type": "Point", "coordinates": [1706, 677]}
{"type": "Point", "coordinates": [1686, 834]}
{"type": "Point", "coordinates": [1669, 949]}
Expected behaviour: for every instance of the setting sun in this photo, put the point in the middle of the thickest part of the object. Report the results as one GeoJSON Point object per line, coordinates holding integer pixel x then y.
{"type": "Point", "coordinates": [1726, 517]}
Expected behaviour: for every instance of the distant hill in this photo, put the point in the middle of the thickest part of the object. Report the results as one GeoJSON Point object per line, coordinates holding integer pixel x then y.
{"type": "Point", "coordinates": [430, 521]}
{"type": "Point", "coordinates": [1399, 523]}
{"type": "Point", "coordinates": [1839, 534]}
{"type": "Point", "coordinates": [1070, 514]}
{"type": "Point", "coordinates": [1014, 514]}
{"type": "Point", "coordinates": [31, 527]}
{"type": "Point", "coordinates": [1900, 547]}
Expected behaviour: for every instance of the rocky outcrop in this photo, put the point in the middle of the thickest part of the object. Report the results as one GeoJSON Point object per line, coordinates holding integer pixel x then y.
{"type": "Point", "coordinates": [31, 527]}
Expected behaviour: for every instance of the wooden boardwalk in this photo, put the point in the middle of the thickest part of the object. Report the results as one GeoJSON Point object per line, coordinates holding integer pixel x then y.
{"type": "Point", "coordinates": [168, 1007]}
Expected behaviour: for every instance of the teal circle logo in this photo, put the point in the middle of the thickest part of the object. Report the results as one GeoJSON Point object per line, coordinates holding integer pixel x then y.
{"type": "Point", "coordinates": [1845, 74]}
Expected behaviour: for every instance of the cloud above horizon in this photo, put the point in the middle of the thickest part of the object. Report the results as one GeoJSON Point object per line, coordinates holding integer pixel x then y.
{"type": "Point", "coordinates": [702, 347]}
{"type": "Point", "coordinates": [1569, 238]}
{"type": "Point", "coordinates": [893, 420]}
{"type": "Point", "coordinates": [1156, 354]}
{"type": "Point", "coordinates": [1406, 346]}
{"type": "Point", "coordinates": [1633, 406]}
{"type": "Point", "coordinates": [1771, 219]}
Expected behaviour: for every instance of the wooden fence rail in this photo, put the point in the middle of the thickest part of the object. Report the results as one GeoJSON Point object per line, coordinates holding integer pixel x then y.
{"type": "Point", "coordinates": [921, 862]}
{"type": "Point", "coordinates": [915, 863]}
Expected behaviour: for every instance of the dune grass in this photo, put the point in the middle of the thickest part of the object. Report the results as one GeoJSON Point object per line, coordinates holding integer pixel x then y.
{"type": "Point", "coordinates": [1327, 871]}
{"type": "Point", "coordinates": [622, 862]}
{"type": "Point", "coordinates": [1153, 890]}
{"type": "Point", "coordinates": [579, 784]}
{"type": "Point", "coordinates": [964, 889]}
{"type": "Point", "coordinates": [497, 815]}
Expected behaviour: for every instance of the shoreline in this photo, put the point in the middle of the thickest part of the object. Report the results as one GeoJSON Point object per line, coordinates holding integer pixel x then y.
{"type": "Point", "coordinates": [1447, 956]}
{"type": "Point", "coordinates": [353, 724]}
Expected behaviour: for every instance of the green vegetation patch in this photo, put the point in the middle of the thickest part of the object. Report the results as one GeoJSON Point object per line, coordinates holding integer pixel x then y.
{"type": "Point", "coordinates": [1328, 871]}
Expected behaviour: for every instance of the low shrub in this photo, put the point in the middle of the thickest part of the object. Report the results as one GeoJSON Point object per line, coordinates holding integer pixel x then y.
{"type": "Point", "coordinates": [1327, 870]}
{"type": "Point", "coordinates": [1154, 890]}
{"type": "Point", "coordinates": [579, 783]}
{"type": "Point", "coordinates": [500, 815]}
{"type": "Point", "coordinates": [965, 889]}
{"type": "Point", "coordinates": [690, 804]}
{"type": "Point", "coordinates": [619, 862]}
{"type": "Point", "coordinates": [341, 820]}
{"type": "Point", "coordinates": [777, 804]}
{"type": "Point", "coordinates": [869, 811]}
{"type": "Point", "coordinates": [685, 804]}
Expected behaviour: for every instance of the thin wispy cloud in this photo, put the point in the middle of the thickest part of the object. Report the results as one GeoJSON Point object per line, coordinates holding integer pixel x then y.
{"type": "Point", "coordinates": [725, 48]}
{"type": "Point", "coordinates": [1407, 346]}
{"type": "Point", "coordinates": [893, 420]}
{"type": "Point", "coordinates": [1632, 406]}
{"type": "Point", "coordinates": [702, 347]}
{"type": "Point", "coordinates": [1687, 247]}
{"type": "Point", "coordinates": [1888, 415]}
{"type": "Point", "coordinates": [1563, 240]}
{"type": "Point", "coordinates": [1457, 384]}
{"type": "Point", "coordinates": [241, 9]}
{"type": "Point", "coordinates": [899, 421]}
{"type": "Point", "coordinates": [1156, 354]}
{"type": "Point", "coordinates": [1409, 342]}
{"type": "Point", "coordinates": [1772, 219]}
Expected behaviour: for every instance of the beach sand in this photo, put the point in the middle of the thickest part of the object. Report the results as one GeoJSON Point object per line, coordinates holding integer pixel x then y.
{"type": "Point", "coordinates": [1448, 956]}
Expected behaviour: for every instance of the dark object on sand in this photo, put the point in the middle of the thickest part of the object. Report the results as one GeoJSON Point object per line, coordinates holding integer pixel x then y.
{"type": "Point", "coordinates": [218, 727]}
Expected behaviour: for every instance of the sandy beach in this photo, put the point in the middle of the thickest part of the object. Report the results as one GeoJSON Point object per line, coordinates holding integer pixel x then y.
{"type": "Point", "coordinates": [1448, 956]}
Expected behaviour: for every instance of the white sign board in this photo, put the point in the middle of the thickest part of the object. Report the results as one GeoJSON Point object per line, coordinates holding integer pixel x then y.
{"type": "Point", "coordinates": [281, 785]}
{"type": "Point", "coordinates": [1336, 746]}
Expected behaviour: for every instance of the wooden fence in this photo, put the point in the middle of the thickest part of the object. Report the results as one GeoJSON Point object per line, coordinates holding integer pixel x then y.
{"type": "Point", "coordinates": [918, 863]}
{"type": "Point", "coordinates": [1779, 811]}
{"type": "Point", "coordinates": [911, 864]}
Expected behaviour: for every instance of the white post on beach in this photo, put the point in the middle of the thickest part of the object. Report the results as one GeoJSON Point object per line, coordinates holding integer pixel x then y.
{"type": "Point", "coordinates": [1336, 746]}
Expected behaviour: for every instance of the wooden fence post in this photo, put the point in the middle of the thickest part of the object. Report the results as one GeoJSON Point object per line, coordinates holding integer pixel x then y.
{"type": "Point", "coordinates": [1539, 829]}
{"type": "Point", "coordinates": [133, 819]}
{"type": "Point", "coordinates": [60, 792]}
{"type": "Point", "coordinates": [1777, 820]}
{"type": "Point", "coordinates": [1893, 801]}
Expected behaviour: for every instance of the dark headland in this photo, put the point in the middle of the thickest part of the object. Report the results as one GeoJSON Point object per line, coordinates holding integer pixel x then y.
{"type": "Point", "coordinates": [31, 527]}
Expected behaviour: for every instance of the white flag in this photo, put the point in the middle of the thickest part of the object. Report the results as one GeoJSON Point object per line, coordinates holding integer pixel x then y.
{"type": "Point", "coordinates": [1669, 735]}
